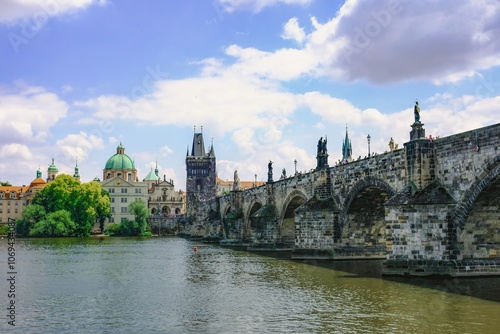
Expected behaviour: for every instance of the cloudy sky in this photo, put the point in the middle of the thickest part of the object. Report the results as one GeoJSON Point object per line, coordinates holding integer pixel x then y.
{"type": "Point", "coordinates": [265, 78]}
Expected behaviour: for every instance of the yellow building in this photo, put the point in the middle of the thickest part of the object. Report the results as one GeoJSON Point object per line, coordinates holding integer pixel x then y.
{"type": "Point", "coordinates": [13, 199]}
{"type": "Point", "coordinates": [224, 187]}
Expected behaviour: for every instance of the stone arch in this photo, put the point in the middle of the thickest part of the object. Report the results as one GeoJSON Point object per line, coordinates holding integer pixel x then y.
{"type": "Point", "coordinates": [491, 171]}
{"type": "Point", "coordinates": [225, 210]}
{"type": "Point", "coordinates": [254, 206]}
{"type": "Point", "coordinates": [286, 223]}
{"type": "Point", "coordinates": [476, 218]}
{"type": "Point", "coordinates": [362, 215]}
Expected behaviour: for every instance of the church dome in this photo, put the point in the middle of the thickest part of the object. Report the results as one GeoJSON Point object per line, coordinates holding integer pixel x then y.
{"type": "Point", "coordinates": [120, 160]}
{"type": "Point", "coordinates": [53, 167]}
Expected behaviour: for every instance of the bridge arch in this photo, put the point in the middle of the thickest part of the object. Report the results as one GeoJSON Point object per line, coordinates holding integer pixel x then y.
{"type": "Point", "coordinates": [254, 206]}
{"type": "Point", "coordinates": [477, 215]}
{"type": "Point", "coordinates": [362, 216]}
{"type": "Point", "coordinates": [286, 222]}
{"type": "Point", "coordinates": [225, 209]}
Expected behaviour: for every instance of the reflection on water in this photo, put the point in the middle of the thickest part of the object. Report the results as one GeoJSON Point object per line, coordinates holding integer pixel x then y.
{"type": "Point", "coordinates": [130, 285]}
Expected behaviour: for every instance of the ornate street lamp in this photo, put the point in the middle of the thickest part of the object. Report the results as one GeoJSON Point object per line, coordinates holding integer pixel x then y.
{"type": "Point", "coordinates": [295, 162]}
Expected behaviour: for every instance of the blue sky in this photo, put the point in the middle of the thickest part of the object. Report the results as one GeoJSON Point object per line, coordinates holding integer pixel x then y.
{"type": "Point", "coordinates": [265, 78]}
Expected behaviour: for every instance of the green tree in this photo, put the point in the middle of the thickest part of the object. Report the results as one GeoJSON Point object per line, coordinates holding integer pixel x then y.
{"type": "Point", "coordinates": [6, 183]}
{"type": "Point", "coordinates": [128, 227]}
{"type": "Point", "coordinates": [140, 211]}
{"type": "Point", "coordinates": [31, 214]}
{"type": "Point", "coordinates": [103, 208]}
{"type": "Point", "coordinates": [55, 224]}
{"type": "Point", "coordinates": [85, 202]}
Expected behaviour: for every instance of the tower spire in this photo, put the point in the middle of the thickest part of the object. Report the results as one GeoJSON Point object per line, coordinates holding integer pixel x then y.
{"type": "Point", "coordinates": [346, 147]}
{"type": "Point", "coordinates": [76, 176]}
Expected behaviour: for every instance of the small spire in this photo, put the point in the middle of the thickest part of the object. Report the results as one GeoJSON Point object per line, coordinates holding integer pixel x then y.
{"type": "Point", "coordinates": [77, 174]}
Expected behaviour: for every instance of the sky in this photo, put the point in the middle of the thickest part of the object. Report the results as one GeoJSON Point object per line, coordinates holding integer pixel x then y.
{"type": "Point", "coordinates": [263, 80]}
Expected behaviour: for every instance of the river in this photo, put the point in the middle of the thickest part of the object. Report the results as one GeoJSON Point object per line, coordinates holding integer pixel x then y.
{"type": "Point", "coordinates": [160, 285]}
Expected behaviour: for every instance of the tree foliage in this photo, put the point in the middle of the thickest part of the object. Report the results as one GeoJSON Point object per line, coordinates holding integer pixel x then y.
{"type": "Point", "coordinates": [31, 214]}
{"type": "Point", "coordinates": [140, 211]}
{"type": "Point", "coordinates": [85, 203]}
{"type": "Point", "coordinates": [55, 224]}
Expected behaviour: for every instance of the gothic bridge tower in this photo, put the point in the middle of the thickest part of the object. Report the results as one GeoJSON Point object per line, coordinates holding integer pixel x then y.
{"type": "Point", "coordinates": [201, 174]}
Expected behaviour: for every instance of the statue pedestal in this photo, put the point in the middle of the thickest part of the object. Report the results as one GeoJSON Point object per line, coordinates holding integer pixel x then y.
{"type": "Point", "coordinates": [418, 131]}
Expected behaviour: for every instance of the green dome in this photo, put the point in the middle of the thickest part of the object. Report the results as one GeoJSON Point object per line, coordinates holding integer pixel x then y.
{"type": "Point", "coordinates": [120, 160]}
{"type": "Point", "coordinates": [53, 167]}
{"type": "Point", "coordinates": [151, 176]}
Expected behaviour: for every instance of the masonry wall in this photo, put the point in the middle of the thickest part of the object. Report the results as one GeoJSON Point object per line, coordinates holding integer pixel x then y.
{"type": "Point", "coordinates": [461, 158]}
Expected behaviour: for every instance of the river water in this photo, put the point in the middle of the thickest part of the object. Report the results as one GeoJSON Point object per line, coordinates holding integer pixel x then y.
{"type": "Point", "coordinates": [160, 285]}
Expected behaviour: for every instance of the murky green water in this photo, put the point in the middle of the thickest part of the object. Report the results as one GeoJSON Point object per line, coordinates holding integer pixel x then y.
{"type": "Point", "coordinates": [159, 285]}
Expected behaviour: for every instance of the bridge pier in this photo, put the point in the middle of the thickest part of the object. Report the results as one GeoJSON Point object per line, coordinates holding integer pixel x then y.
{"type": "Point", "coordinates": [419, 233]}
{"type": "Point", "coordinates": [315, 229]}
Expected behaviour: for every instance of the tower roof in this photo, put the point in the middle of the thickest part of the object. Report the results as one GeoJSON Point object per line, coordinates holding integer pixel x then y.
{"type": "Point", "coordinates": [152, 176]}
{"type": "Point", "coordinates": [53, 167]}
{"type": "Point", "coordinates": [212, 151]}
{"type": "Point", "coordinates": [77, 173]}
{"type": "Point", "coordinates": [120, 160]}
{"type": "Point", "coordinates": [198, 148]}
{"type": "Point", "coordinates": [346, 147]}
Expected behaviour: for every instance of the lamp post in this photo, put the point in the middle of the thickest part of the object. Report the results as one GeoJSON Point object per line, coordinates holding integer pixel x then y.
{"type": "Point", "coordinates": [295, 162]}
{"type": "Point", "coordinates": [368, 138]}
{"type": "Point", "coordinates": [255, 184]}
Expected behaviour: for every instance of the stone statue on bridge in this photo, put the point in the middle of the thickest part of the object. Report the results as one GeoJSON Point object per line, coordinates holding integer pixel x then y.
{"type": "Point", "coordinates": [283, 174]}
{"type": "Point", "coordinates": [322, 146]}
{"type": "Point", "coordinates": [270, 172]}
{"type": "Point", "coordinates": [236, 183]}
{"type": "Point", "coordinates": [416, 112]}
{"type": "Point", "coordinates": [392, 145]}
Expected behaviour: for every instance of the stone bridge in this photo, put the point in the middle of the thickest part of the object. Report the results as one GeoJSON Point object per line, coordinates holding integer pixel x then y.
{"type": "Point", "coordinates": [429, 208]}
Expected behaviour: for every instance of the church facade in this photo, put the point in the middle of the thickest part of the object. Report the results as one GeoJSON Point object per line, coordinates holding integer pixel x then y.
{"type": "Point", "coordinates": [121, 181]}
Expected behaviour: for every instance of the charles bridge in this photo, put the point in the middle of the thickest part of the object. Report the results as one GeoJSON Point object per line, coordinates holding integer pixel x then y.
{"type": "Point", "coordinates": [429, 208]}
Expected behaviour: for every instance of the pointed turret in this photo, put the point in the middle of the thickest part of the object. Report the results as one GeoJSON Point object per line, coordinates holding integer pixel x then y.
{"type": "Point", "coordinates": [212, 151]}
{"type": "Point", "coordinates": [76, 176]}
{"type": "Point", "coordinates": [346, 147]}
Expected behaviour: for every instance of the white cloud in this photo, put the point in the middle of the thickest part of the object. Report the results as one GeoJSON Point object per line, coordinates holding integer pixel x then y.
{"type": "Point", "coordinates": [15, 151]}
{"type": "Point", "coordinates": [79, 145]}
{"type": "Point", "coordinates": [371, 40]}
{"type": "Point", "coordinates": [292, 30]}
{"type": "Point", "coordinates": [66, 89]}
{"type": "Point", "coordinates": [38, 11]}
{"type": "Point", "coordinates": [27, 113]}
{"type": "Point", "coordinates": [282, 65]}
{"type": "Point", "coordinates": [222, 102]}
{"type": "Point", "coordinates": [165, 151]}
{"type": "Point", "coordinates": [256, 5]}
